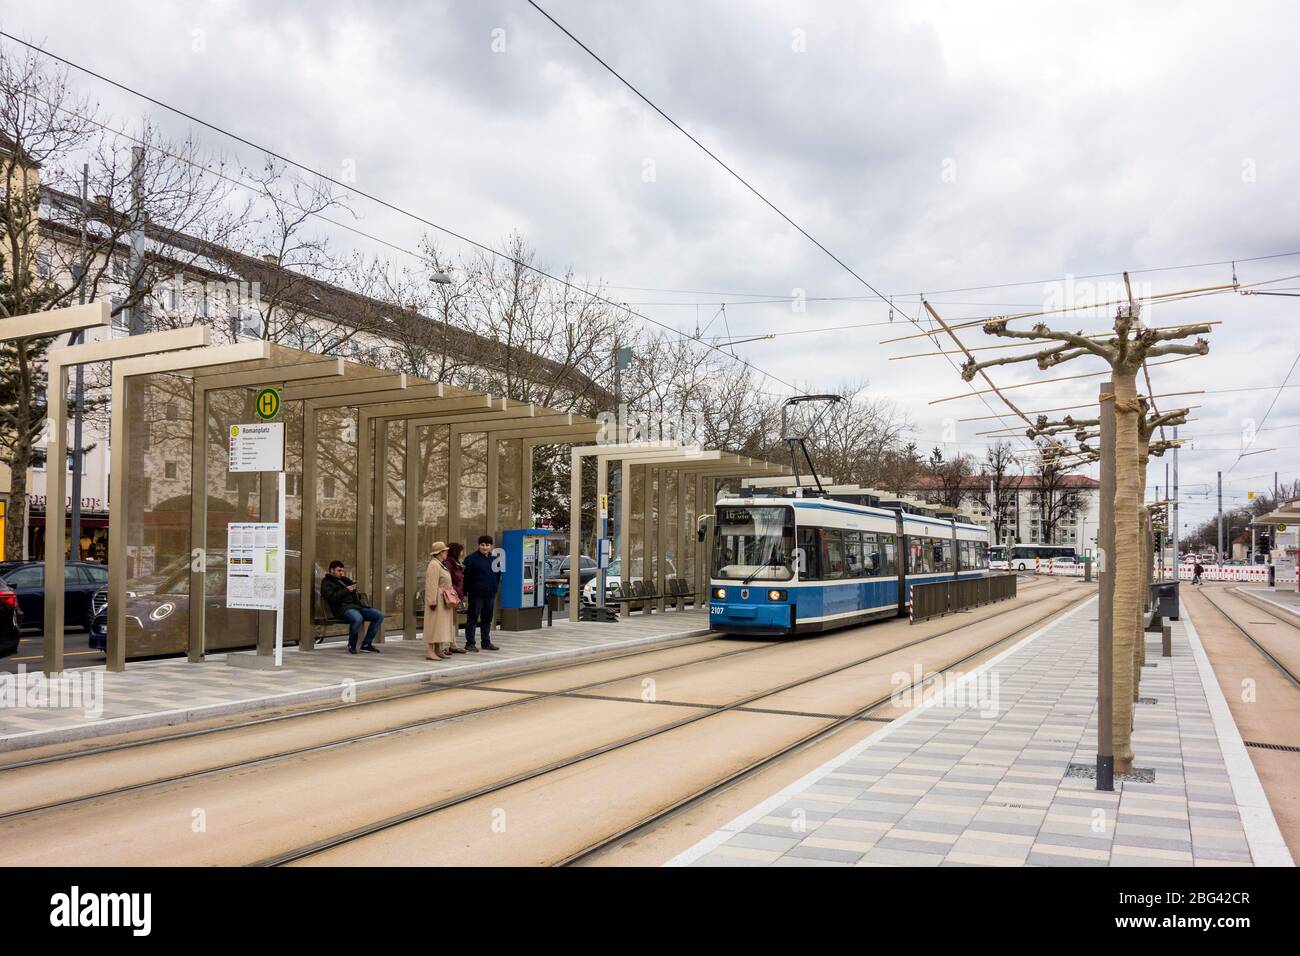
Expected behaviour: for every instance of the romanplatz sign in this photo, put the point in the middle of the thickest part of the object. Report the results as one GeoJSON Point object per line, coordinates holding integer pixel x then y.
{"type": "Point", "coordinates": [257, 447]}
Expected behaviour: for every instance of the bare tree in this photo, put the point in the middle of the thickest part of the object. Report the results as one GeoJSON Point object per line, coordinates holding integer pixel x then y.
{"type": "Point", "coordinates": [1125, 353]}
{"type": "Point", "coordinates": [1056, 499]}
{"type": "Point", "coordinates": [57, 250]}
{"type": "Point", "coordinates": [998, 486]}
{"type": "Point", "coordinates": [949, 477]}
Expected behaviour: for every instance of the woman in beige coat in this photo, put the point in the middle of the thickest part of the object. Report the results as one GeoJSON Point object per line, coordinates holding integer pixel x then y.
{"type": "Point", "coordinates": [439, 616]}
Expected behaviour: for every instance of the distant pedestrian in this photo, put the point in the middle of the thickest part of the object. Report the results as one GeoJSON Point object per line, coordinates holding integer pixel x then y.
{"type": "Point", "coordinates": [482, 580]}
{"type": "Point", "coordinates": [440, 598]}
{"type": "Point", "coordinates": [1197, 571]}
{"type": "Point", "coordinates": [347, 603]}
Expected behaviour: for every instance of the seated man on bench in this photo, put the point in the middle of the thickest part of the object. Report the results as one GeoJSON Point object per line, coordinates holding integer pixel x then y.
{"type": "Point", "coordinates": [340, 595]}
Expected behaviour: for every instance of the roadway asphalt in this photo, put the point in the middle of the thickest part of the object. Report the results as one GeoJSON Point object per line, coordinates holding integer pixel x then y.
{"type": "Point", "coordinates": [31, 650]}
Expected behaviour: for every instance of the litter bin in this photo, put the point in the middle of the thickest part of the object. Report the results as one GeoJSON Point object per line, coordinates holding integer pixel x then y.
{"type": "Point", "coordinates": [1164, 596]}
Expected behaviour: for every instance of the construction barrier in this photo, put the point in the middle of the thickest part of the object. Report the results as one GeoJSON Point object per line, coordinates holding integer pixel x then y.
{"type": "Point", "coordinates": [1253, 573]}
{"type": "Point", "coordinates": [1069, 569]}
{"type": "Point", "coordinates": [937, 598]}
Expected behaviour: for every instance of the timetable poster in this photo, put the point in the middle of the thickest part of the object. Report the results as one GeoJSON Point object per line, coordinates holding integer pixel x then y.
{"type": "Point", "coordinates": [254, 571]}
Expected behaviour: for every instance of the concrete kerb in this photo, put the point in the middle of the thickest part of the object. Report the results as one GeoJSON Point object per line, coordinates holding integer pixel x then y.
{"type": "Point", "coordinates": [754, 814]}
{"type": "Point", "coordinates": [1267, 847]}
{"type": "Point", "coordinates": [466, 673]}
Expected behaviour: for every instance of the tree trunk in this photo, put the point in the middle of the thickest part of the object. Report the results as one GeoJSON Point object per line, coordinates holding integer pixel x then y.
{"type": "Point", "coordinates": [1144, 558]}
{"type": "Point", "coordinates": [16, 508]}
{"type": "Point", "coordinates": [1128, 578]}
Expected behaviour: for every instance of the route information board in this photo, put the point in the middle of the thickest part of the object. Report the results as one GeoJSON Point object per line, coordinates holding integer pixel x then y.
{"type": "Point", "coordinates": [257, 447]}
{"type": "Point", "coordinates": [254, 565]}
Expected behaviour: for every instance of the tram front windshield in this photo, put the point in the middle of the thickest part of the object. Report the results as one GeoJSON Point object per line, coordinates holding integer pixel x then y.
{"type": "Point", "coordinates": [753, 542]}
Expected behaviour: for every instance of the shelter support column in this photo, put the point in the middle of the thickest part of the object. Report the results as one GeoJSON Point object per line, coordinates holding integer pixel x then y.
{"type": "Point", "coordinates": [198, 523]}
{"type": "Point", "coordinates": [115, 648]}
{"type": "Point", "coordinates": [306, 578]}
{"type": "Point", "coordinates": [602, 528]}
{"type": "Point", "coordinates": [492, 504]}
{"type": "Point", "coordinates": [55, 491]}
{"type": "Point", "coordinates": [453, 487]}
{"type": "Point", "coordinates": [364, 492]}
{"type": "Point", "coordinates": [661, 522]}
{"type": "Point", "coordinates": [625, 530]}
{"type": "Point", "coordinates": [575, 532]}
{"type": "Point", "coordinates": [410, 582]}
{"type": "Point", "coordinates": [379, 510]}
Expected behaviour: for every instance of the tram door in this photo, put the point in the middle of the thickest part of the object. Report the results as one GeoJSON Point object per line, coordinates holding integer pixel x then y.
{"type": "Point", "coordinates": [902, 552]}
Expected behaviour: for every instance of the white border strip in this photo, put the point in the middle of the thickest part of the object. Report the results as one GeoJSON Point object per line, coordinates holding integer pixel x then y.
{"type": "Point", "coordinates": [1267, 848]}
{"type": "Point", "coordinates": [717, 838]}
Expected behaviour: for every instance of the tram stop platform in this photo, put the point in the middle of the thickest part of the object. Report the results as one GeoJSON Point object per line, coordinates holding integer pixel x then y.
{"type": "Point", "coordinates": [1007, 780]}
{"type": "Point", "coordinates": [173, 691]}
{"type": "Point", "coordinates": [1281, 599]}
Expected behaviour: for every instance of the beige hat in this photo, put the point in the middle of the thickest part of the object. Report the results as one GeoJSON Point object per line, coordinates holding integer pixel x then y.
{"type": "Point", "coordinates": [438, 548]}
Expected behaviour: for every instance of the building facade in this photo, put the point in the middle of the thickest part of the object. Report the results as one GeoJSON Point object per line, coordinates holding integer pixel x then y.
{"type": "Point", "coordinates": [1022, 506]}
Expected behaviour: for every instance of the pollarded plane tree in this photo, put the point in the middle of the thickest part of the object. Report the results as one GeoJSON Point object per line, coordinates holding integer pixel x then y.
{"type": "Point", "coordinates": [1126, 351]}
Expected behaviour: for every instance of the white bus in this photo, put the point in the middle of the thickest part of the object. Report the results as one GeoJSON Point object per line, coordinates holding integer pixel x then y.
{"type": "Point", "coordinates": [1021, 557]}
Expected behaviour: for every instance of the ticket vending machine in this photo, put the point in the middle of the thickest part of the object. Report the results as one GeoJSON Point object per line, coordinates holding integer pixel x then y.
{"type": "Point", "coordinates": [523, 580]}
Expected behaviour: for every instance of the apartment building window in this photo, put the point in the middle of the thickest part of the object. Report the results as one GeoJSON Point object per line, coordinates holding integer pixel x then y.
{"type": "Point", "coordinates": [43, 270]}
{"type": "Point", "coordinates": [248, 325]}
{"type": "Point", "coordinates": [292, 485]}
{"type": "Point", "coordinates": [119, 317]}
{"type": "Point", "coordinates": [170, 470]}
{"type": "Point", "coordinates": [327, 487]}
{"type": "Point", "coordinates": [232, 481]}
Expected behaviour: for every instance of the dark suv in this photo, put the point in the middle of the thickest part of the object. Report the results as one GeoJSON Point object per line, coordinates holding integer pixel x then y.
{"type": "Point", "coordinates": [81, 579]}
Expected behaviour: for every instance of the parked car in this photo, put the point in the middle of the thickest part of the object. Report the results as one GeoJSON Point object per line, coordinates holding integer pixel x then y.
{"type": "Point", "coordinates": [157, 622]}
{"type": "Point", "coordinates": [557, 572]}
{"type": "Point", "coordinates": [81, 579]}
{"type": "Point", "coordinates": [10, 621]}
{"type": "Point", "coordinates": [613, 576]}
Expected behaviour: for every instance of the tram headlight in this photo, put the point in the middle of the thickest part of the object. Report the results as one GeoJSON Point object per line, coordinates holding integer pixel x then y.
{"type": "Point", "coordinates": [720, 593]}
{"type": "Point", "coordinates": [775, 595]}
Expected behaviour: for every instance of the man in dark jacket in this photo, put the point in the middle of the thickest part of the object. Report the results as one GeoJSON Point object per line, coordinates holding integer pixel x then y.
{"type": "Point", "coordinates": [482, 579]}
{"type": "Point", "coordinates": [341, 596]}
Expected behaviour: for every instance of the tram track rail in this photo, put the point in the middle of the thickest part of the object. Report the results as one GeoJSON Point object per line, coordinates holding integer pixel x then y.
{"type": "Point", "coordinates": [1268, 655]}
{"type": "Point", "coordinates": [522, 697]}
{"type": "Point", "coordinates": [425, 687]}
{"type": "Point", "coordinates": [397, 820]}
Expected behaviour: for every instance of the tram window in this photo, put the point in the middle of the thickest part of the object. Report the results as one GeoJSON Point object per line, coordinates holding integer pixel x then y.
{"type": "Point", "coordinates": [807, 557]}
{"type": "Point", "coordinates": [943, 556]}
{"type": "Point", "coordinates": [870, 555]}
{"type": "Point", "coordinates": [832, 555]}
{"type": "Point", "coordinates": [854, 567]}
{"type": "Point", "coordinates": [888, 555]}
{"type": "Point", "coordinates": [922, 556]}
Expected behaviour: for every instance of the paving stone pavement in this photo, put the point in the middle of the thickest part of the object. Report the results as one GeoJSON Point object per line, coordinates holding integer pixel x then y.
{"type": "Point", "coordinates": [959, 783]}
{"type": "Point", "coordinates": [160, 693]}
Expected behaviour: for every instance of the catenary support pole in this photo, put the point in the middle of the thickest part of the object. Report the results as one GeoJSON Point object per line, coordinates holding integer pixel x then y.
{"type": "Point", "coordinates": [1106, 594]}
{"type": "Point", "coordinates": [1219, 512]}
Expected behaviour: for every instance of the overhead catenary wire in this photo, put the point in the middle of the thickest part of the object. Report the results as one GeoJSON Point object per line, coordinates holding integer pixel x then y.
{"type": "Point", "coordinates": [718, 160]}
{"type": "Point", "coordinates": [1269, 410]}
{"type": "Point", "coordinates": [773, 297]}
{"type": "Point", "coordinates": [387, 204]}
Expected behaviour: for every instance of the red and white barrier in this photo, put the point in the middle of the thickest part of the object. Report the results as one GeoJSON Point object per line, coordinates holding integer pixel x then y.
{"type": "Point", "coordinates": [1253, 573]}
{"type": "Point", "coordinates": [1069, 569]}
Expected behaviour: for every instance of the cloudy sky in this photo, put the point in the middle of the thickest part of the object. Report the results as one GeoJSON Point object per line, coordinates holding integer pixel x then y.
{"type": "Point", "coordinates": [933, 146]}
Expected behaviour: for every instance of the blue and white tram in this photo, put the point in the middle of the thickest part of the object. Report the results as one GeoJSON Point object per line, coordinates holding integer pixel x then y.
{"type": "Point", "coordinates": [797, 565]}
